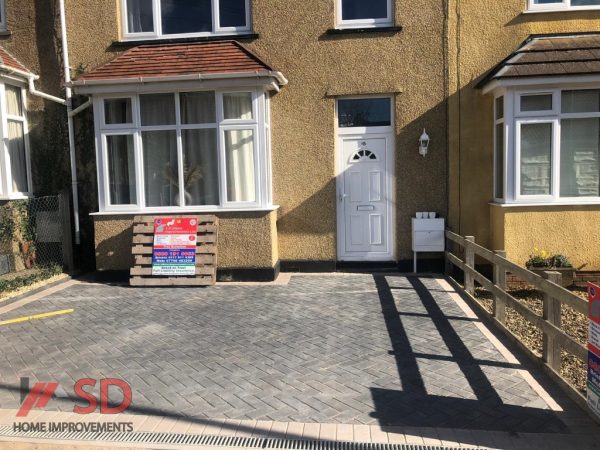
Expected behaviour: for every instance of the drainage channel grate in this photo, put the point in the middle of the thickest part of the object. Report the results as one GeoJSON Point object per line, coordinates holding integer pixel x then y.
{"type": "Point", "coordinates": [213, 441]}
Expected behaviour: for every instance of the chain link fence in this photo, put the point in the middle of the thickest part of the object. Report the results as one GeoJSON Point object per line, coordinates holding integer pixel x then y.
{"type": "Point", "coordinates": [35, 240]}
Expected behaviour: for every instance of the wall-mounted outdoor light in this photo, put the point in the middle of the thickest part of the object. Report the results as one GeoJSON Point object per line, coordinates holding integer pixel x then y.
{"type": "Point", "coordinates": [424, 141]}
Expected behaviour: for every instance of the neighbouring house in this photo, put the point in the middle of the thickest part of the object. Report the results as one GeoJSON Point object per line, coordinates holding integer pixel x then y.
{"type": "Point", "coordinates": [299, 126]}
{"type": "Point", "coordinates": [524, 130]}
{"type": "Point", "coordinates": [26, 128]}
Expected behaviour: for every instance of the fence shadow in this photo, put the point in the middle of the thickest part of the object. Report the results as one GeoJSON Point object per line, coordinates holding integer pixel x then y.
{"type": "Point", "coordinates": [415, 406]}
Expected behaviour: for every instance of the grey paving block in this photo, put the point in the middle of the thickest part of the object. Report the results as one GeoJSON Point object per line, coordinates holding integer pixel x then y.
{"type": "Point", "coordinates": [359, 349]}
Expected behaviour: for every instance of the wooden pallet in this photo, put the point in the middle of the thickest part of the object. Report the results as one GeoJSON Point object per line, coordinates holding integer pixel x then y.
{"type": "Point", "coordinates": [206, 253]}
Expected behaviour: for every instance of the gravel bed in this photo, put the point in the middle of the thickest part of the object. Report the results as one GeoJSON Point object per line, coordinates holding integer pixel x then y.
{"type": "Point", "coordinates": [573, 323]}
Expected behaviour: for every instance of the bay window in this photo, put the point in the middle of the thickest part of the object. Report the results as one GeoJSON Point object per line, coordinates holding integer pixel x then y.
{"type": "Point", "coordinates": [196, 150]}
{"type": "Point", "coordinates": [16, 173]}
{"type": "Point", "coordinates": [554, 151]}
{"type": "Point", "coordinates": [147, 19]}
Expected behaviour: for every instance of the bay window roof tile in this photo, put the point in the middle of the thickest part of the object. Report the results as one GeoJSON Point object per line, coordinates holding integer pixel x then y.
{"type": "Point", "coordinates": [546, 56]}
{"type": "Point", "coordinates": [9, 62]}
{"type": "Point", "coordinates": [172, 60]}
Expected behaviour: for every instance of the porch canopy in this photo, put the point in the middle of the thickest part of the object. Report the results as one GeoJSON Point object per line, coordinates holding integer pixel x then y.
{"type": "Point", "coordinates": [207, 62]}
{"type": "Point", "coordinates": [547, 59]}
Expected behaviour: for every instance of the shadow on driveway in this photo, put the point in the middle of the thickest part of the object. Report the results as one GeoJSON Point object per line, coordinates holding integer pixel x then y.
{"type": "Point", "coordinates": [413, 406]}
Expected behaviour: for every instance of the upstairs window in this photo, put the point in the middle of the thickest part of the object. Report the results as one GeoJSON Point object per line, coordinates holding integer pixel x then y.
{"type": "Point", "coordinates": [147, 19]}
{"type": "Point", "coordinates": [361, 13]}
{"type": "Point", "coordinates": [558, 5]}
{"type": "Point", "coordinates": [2, 15]}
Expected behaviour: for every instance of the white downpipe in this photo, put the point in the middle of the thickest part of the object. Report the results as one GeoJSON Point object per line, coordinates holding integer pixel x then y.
{"type": "Point", "coordinates": [34, 91]}
{"type": "Point", "coordinates": [69, 95]}
{"type": "Point", "coordinates": [81, 107]}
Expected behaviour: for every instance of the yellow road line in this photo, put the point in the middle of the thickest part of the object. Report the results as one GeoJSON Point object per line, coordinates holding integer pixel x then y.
{"type": "Point", "coordinates": [37, 316]}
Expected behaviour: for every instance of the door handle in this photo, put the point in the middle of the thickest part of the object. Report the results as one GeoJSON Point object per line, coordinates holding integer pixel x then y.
{"type": "Point", "coordinates": [342, 197]}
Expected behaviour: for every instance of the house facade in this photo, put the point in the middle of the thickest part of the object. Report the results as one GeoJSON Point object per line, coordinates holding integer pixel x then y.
{"type": "Point", "coordinates": [299, 127]}
{"type": "Point", "coordinates": [524, 161]}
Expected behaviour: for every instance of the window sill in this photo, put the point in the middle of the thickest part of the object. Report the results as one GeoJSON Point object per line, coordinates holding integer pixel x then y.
{"type": "Point", "coordinates": [184, 212]}
{"type": "Point", "coordinates": [5, 33]}
{"type": "Point", "coordinates": [363, 30]}
{"type": "Point", "coordinates": [8, 198]}
{"type": "Point", "coordinates": [561, 10]}
{"type": "Point", "coordinates": [546, 204]}
{"type": "Point", "coordinates": [163, 40]}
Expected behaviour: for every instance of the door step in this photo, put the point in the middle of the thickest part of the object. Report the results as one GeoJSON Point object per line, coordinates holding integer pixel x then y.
{"type": "Point", "coordinates": [367, 267]}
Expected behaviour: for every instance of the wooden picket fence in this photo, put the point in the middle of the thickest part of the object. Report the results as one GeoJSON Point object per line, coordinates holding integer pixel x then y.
{"type": "Point", "coordinates": [206, 254]}
{"type": "Point", "coordinates": [554, 296]}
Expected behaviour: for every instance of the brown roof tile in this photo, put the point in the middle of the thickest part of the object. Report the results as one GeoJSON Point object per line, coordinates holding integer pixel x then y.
{"type": "Point", "coordinates": [223, 57]}
{"type": "Point", "coordinates": [543, 56]}
{"type": "Point", "coordinates": [8, 60]}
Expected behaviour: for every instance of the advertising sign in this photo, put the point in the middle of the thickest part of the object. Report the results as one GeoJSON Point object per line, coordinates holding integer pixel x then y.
{"type": "Point", "coordinates": [593, 381]}
{"type": "Point", "coordinates": [174, 251]}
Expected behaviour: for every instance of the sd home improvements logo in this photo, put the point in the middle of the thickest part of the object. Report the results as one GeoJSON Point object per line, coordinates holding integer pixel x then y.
{"type": "Point", "coordinates": [41, 393]}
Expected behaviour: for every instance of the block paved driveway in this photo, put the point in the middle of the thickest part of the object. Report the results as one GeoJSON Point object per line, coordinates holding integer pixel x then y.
{"type": "Point", "coordinates": [353, 349]}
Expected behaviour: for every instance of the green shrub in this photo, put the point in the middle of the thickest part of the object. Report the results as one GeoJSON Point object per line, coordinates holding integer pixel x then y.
{"type": "Point", "coordinates": [12, 284]}
{"type": "Point", "coordinates": [541, 259]}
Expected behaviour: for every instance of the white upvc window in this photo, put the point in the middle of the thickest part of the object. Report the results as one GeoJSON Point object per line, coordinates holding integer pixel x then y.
{"type": "Point", "coordinates": [183, 151]}
{"type": "Point", "coordinates": [155, 19]}
{"type": "Point", "coordinates": [499, 146]}
{"type": "Point", "coordinates": [362, 14]}
{"type": "Point", "coordinates": [561, 5]}
{"type": "Point", "coordinates": [552, 149]}
{"type": "Point", "coordinates": [3, 25]}
{"type": "Point", "coordinates": [15, 174]}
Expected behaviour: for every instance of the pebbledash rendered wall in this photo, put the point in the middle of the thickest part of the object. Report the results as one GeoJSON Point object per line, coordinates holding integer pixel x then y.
{"type": "Point", "coordinates": [409, 64]}
{"type": "Point", "coordinates": [480, 35]}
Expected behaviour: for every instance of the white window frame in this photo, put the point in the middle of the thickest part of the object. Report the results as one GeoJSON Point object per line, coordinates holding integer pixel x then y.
{"type": "Point", "coordinates": [541, 113]}
{"type": "Point", "coordinates": [554, 168]}
{"type": "Point", "coordinates": [258, 125]}
{"type": "Point", "coordinates": [6, 190]}
{"type": "Point", "coordinates": [501, 121]}
{"type": "Point", "coordinates": [3, 21]}
{"type": "Point", "coordinates": [157, 33]}
{"type": "Point", "coordinates": [514, 118]}
{"type": "Point", "coordinates": [564, 5]}
{"type": "Point", "coordinates": [364, 23]}
{"type": "Point", "coordinates": [365, 130]}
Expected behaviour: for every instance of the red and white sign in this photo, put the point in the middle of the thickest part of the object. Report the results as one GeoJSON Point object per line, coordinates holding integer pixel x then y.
{"type": "Point", "coordinates": [174, 251]}
{"type": "Point", "coordinates": [594, 318]}
{"type": "Point", "coordinates": [593, 381]}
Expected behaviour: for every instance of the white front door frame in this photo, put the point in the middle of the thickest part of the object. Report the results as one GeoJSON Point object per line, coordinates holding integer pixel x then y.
{"type": "Point", "coordinates": [390, 183]}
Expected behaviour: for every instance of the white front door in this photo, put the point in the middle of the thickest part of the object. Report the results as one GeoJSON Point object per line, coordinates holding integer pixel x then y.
{"type": "Point", "coordinates": [364, 198]}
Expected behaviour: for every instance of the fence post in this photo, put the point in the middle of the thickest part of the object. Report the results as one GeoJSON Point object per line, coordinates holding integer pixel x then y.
{"type": "Point", "coordinates": [448, 248]}
{"type": "Point", "coordinates": [66, 233]}
{"type": "Point", "coordinates": [469, 261]}
{"type": "Point", "coordinates": [552, 313]}
{"type": "Point", "coordinates": [500, 281]}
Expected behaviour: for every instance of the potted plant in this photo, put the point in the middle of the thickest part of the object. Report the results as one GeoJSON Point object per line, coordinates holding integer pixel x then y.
{"type": "Point", "coordinates": [541, 261]}
{"type": "Point", "coordinates": [190, 176]}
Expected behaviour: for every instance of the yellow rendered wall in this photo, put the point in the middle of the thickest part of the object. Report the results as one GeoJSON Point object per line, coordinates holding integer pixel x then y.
{"type": "Point", "coordinates": [244, 241]}
{"type": "Point", "coordinates": [573, 231]}
{"type": "Point", "coordinates": [293, 39]}
{"type": "Point", "coordinates": [481, 34]}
